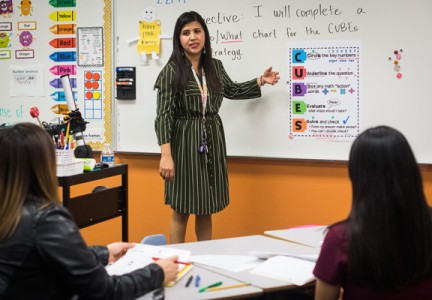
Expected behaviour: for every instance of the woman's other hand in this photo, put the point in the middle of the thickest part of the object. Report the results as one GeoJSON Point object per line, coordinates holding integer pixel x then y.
{"type": "Point", "coordinates": [117, 250]}
{"type": "Point", "coordinates": [170, 268]}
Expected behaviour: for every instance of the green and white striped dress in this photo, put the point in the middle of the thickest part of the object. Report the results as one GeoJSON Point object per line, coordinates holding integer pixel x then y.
{"type": "Point", "coordinates": [200, 186]}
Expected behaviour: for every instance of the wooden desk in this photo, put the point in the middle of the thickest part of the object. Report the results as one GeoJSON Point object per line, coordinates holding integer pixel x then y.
{"type": "Point", "coordinates": [242, 246]}
{"type": "Point", "coordinates": [99, 206]}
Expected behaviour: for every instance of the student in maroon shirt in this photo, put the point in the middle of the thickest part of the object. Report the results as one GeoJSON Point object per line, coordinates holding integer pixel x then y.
{"type": "Point", "coordinates": [383, 250]}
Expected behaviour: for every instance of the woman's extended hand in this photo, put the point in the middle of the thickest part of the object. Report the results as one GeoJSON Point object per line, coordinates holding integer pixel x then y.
{"type": "Point", "coordinates": [169, 266]}
{"type": "Point", "coordinates": [117, 250]}
{"type": "Point", "coordinates": [269, 76]}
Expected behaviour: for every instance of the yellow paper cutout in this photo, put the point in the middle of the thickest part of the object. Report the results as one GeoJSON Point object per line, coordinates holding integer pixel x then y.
{"type": "Point", "coordinates": [149, 40]}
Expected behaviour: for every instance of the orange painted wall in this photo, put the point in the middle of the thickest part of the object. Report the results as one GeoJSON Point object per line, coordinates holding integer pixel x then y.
{"type": "Point", "coordinates": [265, 195]}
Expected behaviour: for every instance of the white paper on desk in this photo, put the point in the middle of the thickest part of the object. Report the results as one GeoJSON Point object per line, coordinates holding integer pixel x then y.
{"type": "Point", "coordinates": [233, 263]}
{"type": "Point", "coordinates": [288, 269]}
{"type": "Point", "coordinates": [268, 254]}
{"type": "Point", "coordinates": [141, 255]}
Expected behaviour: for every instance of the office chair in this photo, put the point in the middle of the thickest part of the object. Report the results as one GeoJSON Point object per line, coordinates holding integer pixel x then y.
{"type": "Point", "coordinates": [154, 239]}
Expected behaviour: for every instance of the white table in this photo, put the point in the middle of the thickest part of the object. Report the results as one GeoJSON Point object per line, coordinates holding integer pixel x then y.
{"type": "Point", "coordinates": [179, 291]}
{"type": "Point", "coordinates": [242, 246]}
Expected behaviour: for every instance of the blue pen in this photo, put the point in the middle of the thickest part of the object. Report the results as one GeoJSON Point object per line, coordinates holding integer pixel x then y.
{"type": "Point", "coordinates": [197, 281]}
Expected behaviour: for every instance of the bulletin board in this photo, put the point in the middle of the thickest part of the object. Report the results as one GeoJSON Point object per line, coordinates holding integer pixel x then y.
{"type": "Point", "coordinates": [386, 42]}
{"type": "Point", "coordinates": [43, 40]}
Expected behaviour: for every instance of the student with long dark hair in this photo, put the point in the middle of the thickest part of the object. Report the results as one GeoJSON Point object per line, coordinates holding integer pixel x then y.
{"type": "Point", "coordinates": [42, 253]}
{"type": "Point", "coordinates": [383, 250]}
{"type": "Point", "coordinates": [193, 164]}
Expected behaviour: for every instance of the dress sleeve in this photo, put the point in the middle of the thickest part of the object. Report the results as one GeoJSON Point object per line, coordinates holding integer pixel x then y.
{"type": "Point", "coordinates": [235, 90]}
{"type": "Point", "coordinates": [165, 105]}
{"type": "Point", "coordinates": [60, 245]}
{"type": "Point", "coordinates": [332, 261]}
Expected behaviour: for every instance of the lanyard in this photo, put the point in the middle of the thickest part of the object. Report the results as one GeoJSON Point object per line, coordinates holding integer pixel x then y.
{"type": "Point", "coordinates": [203, 90]}
{"type": "Point", "coordinates": [203, 148]}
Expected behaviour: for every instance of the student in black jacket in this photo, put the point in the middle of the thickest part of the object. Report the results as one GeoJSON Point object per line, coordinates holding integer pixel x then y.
{"type": "Point", "coordinates": [42, 253]}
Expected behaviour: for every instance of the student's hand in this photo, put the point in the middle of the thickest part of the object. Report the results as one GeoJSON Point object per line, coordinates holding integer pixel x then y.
{"type": "Point", "coordinates": [117, 250]}
{"type": "Point", "coordinates": [169, 266]}
{"type": "Point", "coordinates": [166, 168]}
{"type": "Point", "coordinates": [269, 76]}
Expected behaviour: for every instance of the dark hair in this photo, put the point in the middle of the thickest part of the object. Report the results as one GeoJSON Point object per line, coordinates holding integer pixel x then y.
{"type": "Point", "coordinates": [180, 60]}
{"type": "Point", "coordinates": [27, 172]}
{"type": "Point", "coordinates": [390, 220]}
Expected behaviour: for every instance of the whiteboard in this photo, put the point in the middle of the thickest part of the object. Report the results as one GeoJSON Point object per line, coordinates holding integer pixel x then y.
{"type": "Point", "coordinates": [261, 127]}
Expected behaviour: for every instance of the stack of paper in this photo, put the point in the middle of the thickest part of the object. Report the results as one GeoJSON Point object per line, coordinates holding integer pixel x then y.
{"type": "Point", "coordinates": [141, 255]}
{"type": "Point", "coordinates": [268, 254]}
{"type": "Point", "coordinates": [288, 269]}
{"type": "Point", "coordinates": [233, 263]}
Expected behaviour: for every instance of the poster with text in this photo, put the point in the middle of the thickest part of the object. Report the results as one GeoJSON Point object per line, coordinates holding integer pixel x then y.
{"type": "Point", "coordinates": [324, 90]}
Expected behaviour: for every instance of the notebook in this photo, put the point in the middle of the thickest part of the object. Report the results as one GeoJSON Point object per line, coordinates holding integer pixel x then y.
{"type": "Point", "coordinates": [142, 255]}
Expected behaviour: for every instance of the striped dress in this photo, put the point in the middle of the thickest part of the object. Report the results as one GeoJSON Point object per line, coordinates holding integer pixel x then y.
{"type": "Point", "coordinates": [200, 184]}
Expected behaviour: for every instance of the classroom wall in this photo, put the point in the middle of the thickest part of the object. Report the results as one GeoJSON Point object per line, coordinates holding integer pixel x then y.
{"type": "Point", "coordinates": [265, 195]}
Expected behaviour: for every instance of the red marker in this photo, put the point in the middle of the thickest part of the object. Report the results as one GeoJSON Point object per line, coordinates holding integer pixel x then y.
{"type": "Point", "coordinates": [177, 262]}
{"type": "Point", "coordinates": [34, 112]}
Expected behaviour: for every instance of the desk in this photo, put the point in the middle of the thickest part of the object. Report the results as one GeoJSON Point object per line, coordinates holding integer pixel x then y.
{"type": "Point", "coordinates": [179, 291]}
{"type": "Point", "coordinates": [99, 206]}
{"type": "Point", "coordinates": [242, 246]}
{"type": "Point", "coordinates": [312, 236]}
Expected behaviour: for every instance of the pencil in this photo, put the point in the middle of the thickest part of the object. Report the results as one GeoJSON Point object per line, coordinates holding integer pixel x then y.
{"type": "Point", "coordinates": [227, 287]}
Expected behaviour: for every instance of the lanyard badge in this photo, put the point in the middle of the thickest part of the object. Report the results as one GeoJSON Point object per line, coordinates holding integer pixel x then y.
{"type": "Point", "coordinates": [203, 148]}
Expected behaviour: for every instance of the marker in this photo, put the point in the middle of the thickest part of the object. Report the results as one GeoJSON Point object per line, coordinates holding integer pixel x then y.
{"type": "Point", "coordinates": [177, 262]}
{"type": "Point", "coordinates": [56, 83]}
{"type": "Point", "coordinates": [219, 283]}
{"type": "Point", "coordinates": [67, 131]}
{"type": "Point", "coordinates": [125, 79]}
{"type": "Point", "coordinates": [63, 70]}
{"type": "Point", "coordinates": [63, 42]}
{"type": "Point", "coordinates": [60, 109]}
{"type": "Point", "coordinates": [60, 96]}
{"type": "Point", "coordinates": [62, 3]}
{"type": "Point", "coordinates": [197, 281]}
{"type": "Point", "coordinates": [122, 69]}
{"type": "Point", "coordinates": [227, 287]}
{"type": "Point", "coordinates": [63, 29]}
{"type": "Point", "coordinates": [63, 56]}
{"type": "Point", "coordinates": [62, 143]}
{"type": "Point", "coordinates": [63, 15]}
{"type": "Point", "coordinates": [189, 281]}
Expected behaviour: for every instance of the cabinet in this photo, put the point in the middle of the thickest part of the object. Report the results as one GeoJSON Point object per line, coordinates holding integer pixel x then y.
{"type": "Point", "coordinates": [103, 203]}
